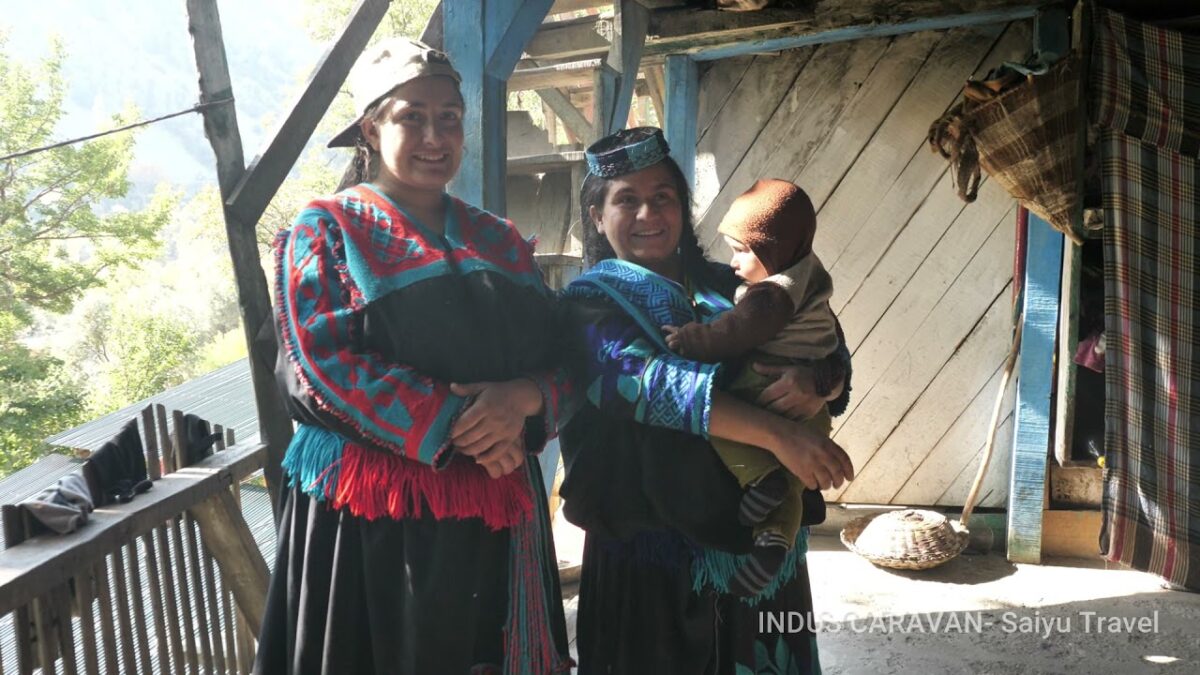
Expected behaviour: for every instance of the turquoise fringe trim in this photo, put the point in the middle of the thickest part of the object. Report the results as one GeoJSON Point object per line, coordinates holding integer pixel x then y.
{"type": "Point", "coordinates": [313, 460]}
{"type": "Point", "coordinates": [714, 569]}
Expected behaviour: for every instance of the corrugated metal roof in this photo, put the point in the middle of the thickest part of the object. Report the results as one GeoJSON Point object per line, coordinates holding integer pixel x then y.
{"type": "Point", "coordinates": [225, 396]}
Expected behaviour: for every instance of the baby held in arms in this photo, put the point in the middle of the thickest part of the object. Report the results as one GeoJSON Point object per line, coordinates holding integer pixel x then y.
{"type": "Point", "coordinates": [782, 317]}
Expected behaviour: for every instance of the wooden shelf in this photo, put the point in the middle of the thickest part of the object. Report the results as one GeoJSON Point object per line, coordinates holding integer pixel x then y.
{"type": "Point", "coordinates": [544, 163]}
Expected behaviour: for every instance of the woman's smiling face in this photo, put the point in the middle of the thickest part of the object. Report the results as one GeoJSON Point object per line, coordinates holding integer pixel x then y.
{"type": "Point", "coordinates": [418, 132]}
{"type": "Point", "coordinates": [642, 217]}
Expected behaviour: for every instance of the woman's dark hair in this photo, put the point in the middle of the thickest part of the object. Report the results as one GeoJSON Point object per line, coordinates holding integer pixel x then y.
{"type": "Point", "coordinates": [594, 191]}
{"type": "Point", "coordinates": [366, 160]}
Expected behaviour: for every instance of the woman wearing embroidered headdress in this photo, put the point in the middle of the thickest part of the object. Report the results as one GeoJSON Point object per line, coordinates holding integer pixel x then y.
{"type": "Point", "coordinates": [664, 541]}
{"type": "Point", "coordinates": [415, 349]}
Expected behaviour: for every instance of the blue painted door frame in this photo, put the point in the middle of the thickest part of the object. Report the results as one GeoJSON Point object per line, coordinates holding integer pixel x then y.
{"type": "Point", "coordinates": [505, 26]}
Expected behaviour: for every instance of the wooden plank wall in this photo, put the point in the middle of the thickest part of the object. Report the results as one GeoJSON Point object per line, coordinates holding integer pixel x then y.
{"type": "Point", "coordinates": [922, 280]}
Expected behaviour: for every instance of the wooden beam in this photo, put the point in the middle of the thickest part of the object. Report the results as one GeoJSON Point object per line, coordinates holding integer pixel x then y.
{"type": "Point", "coordinates": [574, 74]}
{"type": "Point", "coordinates": [564, 6]}
{"type": "Point", "coordinates": [220, 123]}
{"type": "Point", "coordinates": [433, 34]}
{"type": "Point", "coordinates": [269, 169]}
{"type": "Point", "coordinates": [510, 43]}
{"type": "Point", "coordinates": [683, 94]}
{"type": "Point", "coordinates": [778, 38]}
{"type": "Point", "coordinates": [544, 163]}
{"type": "Point", "coordinates": [585, 38]}
{"type": "Point", "coordinates": [506, 26]}
{"type": "Point", "coordinates": [604, 96]}
{"type": "Point", "coordinates": [220, 126]}
{"type": "Point", "coordinates": [656, 89]}
{"type": "Point", "coordinates": [1068, 340]}
{"type": "Point", "coordinates": [712, 34]}
{"type": "Point", "coordinates": [574, 120]}
{"type": "Point", "coordinates": [480, 179]}
{"type": "Point", "coordinates": [41, 563]}
{"type": "Point", "coordinates": [624, 56]}
{"type": "Point", "coordinates": [228, 539]}
{"type": "Point", "coordinates": [1027, 490]}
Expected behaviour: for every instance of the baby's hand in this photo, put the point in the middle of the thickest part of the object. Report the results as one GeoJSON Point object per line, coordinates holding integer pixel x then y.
{"type": "Point", "coordinates": [673, 339]}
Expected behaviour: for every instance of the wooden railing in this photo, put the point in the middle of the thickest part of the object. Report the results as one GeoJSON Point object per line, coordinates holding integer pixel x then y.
{"type": "Point", "coordinates": [78, 602]}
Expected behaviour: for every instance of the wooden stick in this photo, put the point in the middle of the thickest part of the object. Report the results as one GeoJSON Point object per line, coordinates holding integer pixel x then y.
{"type": "Point", "coordinates": [124, 624]}
{"type": "Point", "coordinates": [141, 636]}
{"type": "Point", "coordinates": [222, 604]}
{"type": "Point", "coordinates": [61, 603]}
{"type": "Point", "coordinates": [228, 629]}
{"type": "Point", "coordinates": [41, 619]}
{"type": "Point", "coordinates": [204, 634]}
{"type": "Point", "coordinates": [185, 603]}
{"type": "Point", "coordinates": [14, 534]}
{"type": "Point", "coordinates": [214, 606]}
{"type": "Point", "coordinates": [245, 640]}
{"type": "Point", "coordinates": [156, 601]}
{"type": "Point", "coordinates": [991, 437]}
{"type": "Point", "coordinates": [233, 546]}
{"type": "Point", "coordinates": [153, 461]}
{"type": "Point", "coordinates": [85, 595]}
{"type": "Point", "coordinates": [178, 658]}
{"type": "Point", "coordinates": [192, 539]}
{"type": "Point", "coordinates": [182, 546]}
{"type": "Point", "coordinates": [107, 638]}
{"type": "Point", "coordinates": [179, 439]}
{"type": "Point", "coordinates": [164, 439]}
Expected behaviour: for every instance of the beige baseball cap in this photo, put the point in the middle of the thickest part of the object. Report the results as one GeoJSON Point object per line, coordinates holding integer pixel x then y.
{"type": "Point", "coordinates": [382, 68]}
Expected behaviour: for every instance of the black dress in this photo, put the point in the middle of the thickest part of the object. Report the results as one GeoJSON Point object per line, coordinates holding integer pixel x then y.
{"type": "Point", "coordinates": [654, 498]}
{"type": "Point", "coordinates": [394, 554]}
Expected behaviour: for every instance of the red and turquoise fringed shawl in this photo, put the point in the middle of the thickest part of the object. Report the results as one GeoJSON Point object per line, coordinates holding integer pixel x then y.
{"type": "Point", "coordinates": [342, 254]}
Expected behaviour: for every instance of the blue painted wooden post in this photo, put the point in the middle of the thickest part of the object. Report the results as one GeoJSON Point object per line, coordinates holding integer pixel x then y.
{"type": "Point", "coordinates": [1043, 288]}
{"type": "Point", "coordinates": [1031, 439]}
{"type": "Point", "coordinates": [683, 99]}
{"type": "Point", "coordinates": [484, 39]}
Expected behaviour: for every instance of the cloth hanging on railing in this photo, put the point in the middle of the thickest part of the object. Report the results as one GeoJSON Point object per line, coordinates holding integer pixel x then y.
{"type": "Point", "coordinates": [198, 439]}
{"type": "Point", "coordinates": [117, 471]}
{"type": "Point", "coordinates": [62, 507]}
{"type": "Point", "coordinates": [1146, 85]}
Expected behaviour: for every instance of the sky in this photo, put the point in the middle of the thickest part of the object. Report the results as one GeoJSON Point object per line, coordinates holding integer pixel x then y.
{"type": "Point", "coordinates": [139, 51]}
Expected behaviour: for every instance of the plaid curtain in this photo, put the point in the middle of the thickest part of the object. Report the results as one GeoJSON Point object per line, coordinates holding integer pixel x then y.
{"type": "Point", "coordinates": [1146, 88]}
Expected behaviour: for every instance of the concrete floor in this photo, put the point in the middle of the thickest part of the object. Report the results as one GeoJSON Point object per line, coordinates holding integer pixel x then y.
{"type": "Point", "coordinates": [1067, 616]}
{"type": "Point", "coordinates": [981, 614]}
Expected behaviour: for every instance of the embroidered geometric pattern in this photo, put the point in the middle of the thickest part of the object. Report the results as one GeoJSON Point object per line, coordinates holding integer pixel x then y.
{"type": "Point", "coordinates": [631, 370]}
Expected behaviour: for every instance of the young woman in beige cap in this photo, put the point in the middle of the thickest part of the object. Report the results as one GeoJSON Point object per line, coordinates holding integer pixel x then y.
{"type": "Point", "coordinates": [416, 353]}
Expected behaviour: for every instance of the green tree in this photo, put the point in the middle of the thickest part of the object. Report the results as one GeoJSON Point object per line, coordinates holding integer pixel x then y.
{"type": "Point", "coordinates": [61, 233]}
{"type": "Point", "coordinates": [152, 353]}
{"type": "Point", "coordinates": [324, 18]}
{"type": "Point", "coordinates": [37, 399]}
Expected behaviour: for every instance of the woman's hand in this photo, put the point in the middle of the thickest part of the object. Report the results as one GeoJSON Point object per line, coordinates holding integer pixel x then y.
{"type": "Point", "coordinates": [503, 458]}
{"type": "Point", "coordinates": [794, 393]}
{"type": "Point", "coordinates": [496, 415]}
{"type": "Point", "coordinates": [817, 461]}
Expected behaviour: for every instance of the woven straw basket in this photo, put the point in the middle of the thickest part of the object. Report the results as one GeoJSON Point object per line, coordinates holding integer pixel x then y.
{"type": "Point", "coordinates": [911, 539]}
